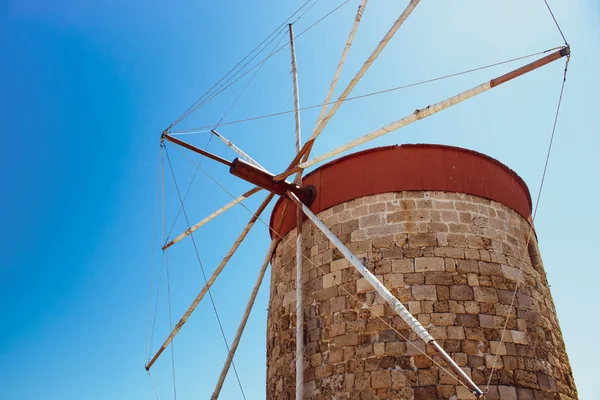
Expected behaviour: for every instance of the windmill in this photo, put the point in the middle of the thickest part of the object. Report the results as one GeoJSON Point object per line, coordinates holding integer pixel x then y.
{"type": "Point", "coordinates": [296, 195]}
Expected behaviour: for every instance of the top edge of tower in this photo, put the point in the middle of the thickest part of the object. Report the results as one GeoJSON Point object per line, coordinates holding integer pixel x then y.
{"type": "Point", "coordinates": [410, 167]}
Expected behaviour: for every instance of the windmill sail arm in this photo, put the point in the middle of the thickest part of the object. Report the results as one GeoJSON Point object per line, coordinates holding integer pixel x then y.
{"type": "Point", "coordinates": [435, 108]}
{"type": "Point", "coordinates": [212, 216]}
{"type": "Point", "coordinates": [212, 279]}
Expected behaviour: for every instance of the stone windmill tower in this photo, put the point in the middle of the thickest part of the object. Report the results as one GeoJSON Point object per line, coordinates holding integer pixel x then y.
{"type": "Point", "coordinates": [448, 231]}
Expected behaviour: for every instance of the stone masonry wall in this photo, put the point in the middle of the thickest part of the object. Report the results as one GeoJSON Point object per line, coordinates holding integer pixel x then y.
{"type": "Point", "coordinates": [453, 260]}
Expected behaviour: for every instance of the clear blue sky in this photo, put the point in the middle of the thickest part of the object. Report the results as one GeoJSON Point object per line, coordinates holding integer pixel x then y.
{"type": "Point", "coordinates": [87, 87]}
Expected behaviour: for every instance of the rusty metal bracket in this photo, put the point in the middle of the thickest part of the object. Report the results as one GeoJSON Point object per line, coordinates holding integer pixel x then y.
{"type": "Point", "coordinates": [264, 179]}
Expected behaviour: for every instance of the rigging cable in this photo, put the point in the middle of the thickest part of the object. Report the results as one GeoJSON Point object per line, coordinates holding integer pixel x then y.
{"type": "Point", "coordinates": [248, 83]}
{"type": "Point", "coordinates": [537, 203]}
{"type": "Point", "coordinates": [203, 273]}
{"type": "Point", "coordinates": [152, 251]}
{"type": "Point", "coordinates": [171, 324]}
{"type": "Point", "coordinates": [162, 263]}
{"type": "Point", "coordinates": [363, 304]}
{"type": "Point", "coordinates": [153, 386]}
{"type": "Point", "coordinates": [556, 22]}
{"type": "Point", "coordinates": [202, 157]}
{"type": "Point", "coordinates": [211, 136]}
{"type": "Point", "coordinates": [187, 112]}
{"type": "Point", "coordinates": [205, 128]}
{"type": "Point", "coordinates": [222, 87]}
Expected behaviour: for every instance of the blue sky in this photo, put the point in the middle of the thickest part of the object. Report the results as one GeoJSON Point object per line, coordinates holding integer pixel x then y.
{"type": "Point", "coordinates": [89, 86]}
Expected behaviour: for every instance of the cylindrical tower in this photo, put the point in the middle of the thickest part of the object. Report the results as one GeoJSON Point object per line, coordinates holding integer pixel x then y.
{"type": "Point", "coordinates": [448, 231]}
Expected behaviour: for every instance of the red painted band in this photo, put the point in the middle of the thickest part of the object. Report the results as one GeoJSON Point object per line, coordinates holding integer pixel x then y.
{"type": "Point", "coordinates": [414, 167]}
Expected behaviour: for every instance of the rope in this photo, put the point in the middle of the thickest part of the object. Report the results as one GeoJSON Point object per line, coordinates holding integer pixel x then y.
{"type": "Point", "coordinates": [152, 248]}
{"type": "Point", "coordinates": [188, 112]}
{"type": "Point", "coordinates": [153, 386]}
{"type": "Point", "coordinates": [202, 157]}
{"type": "Point", "coordinates": [537, 203]}
{"type": "Point", "coordinates": [205, 128]}
{"type": "Point", "coordinates": [203, 273]}
{"type": "Point", "coordinates": [171, 325]}
{"type": "Point", "coordinates": [222, 87]}
{"type": "Point", "coordinates": [248, 84]}
{"type": "Point", "coordinates": [163, 214]}
{"type": "Point", "coordinates": [230, 81]}
{"type": "Point", "coordinates": [556, 22]}
{"type": "Point", "coordinates": [156, 307]}
{"type": "Point", "coordinates": [363, 304]}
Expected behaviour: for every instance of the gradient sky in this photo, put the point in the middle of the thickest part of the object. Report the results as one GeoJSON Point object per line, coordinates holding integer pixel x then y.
{"type": "Point", "coordinates": [87, 88]}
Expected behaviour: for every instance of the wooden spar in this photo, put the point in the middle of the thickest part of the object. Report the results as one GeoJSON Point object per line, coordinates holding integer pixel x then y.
{"type": "Point", "coordinates": [361, 72]}
{"type": "Point", "coordinates": [338, 70]}
{"type": "Point", "coordinates": [264, 179]}
{"type": "Point", "coordinates": [212, 216]}
{"type": "Point", "coordinates": [396, 305]}
{"type": "Point", "coordinates": [242, 325]}
{"type": "Point", "coordinates": [565, 51]}
{"type": "Point", "coordinates": [195, 149]}
{"type": "Point", "coordinates": [432, 109]}
{"type": "Point", "coordinates": [240, 330]}
{"type": "Point", "coordinates": [296, 94]}
{"type": "Point", "coordinates": [212, 279]}
{"type": "Point", "coordinates": [298, 181]}
{"type": "Point", "coordinates": [236, 149]}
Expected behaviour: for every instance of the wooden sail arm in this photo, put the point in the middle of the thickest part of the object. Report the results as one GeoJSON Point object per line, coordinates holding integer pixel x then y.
{"type": "Point", "coordinates": [429, 110]}
{"type": "Point", "coordinates": [212, 216]}
{"type": "Point", "coordinates": [253, 173]}
{"type": "Point", "coordinates": [211, 280]}
{"type": "Point", "coordinates": [235, 148]}
{"type": "Point", "coordinates": [361, 72]}
{"type": "Point", "coordinates": [195, 149]}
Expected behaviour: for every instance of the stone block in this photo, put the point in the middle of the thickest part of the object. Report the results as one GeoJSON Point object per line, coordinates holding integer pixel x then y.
{"type": "Point", "coordinates": [332, 279]}
{"type": "Point", "coordinates": [449, 252]}
{"type": "Point", "coordinates": [403, 266]}
{"type": "Point", "coordinates": [526, 379]}
{"type": "Point", "coordinates": [467, 320]}
{"type": "Point", "coordinates": [439, 278]}
{"type": "Point", "coordinates": [472, 347]}
{"type": "Point", "coordinates": [519, 337]}
{"type": "Point", "coordinates": [498, 348]}
{"type": "Point", "coordinates": [393, 280]}
{"type": "Point", "coordinates": [395, 348]}
{"type": "Point", "coordinates": [467, 266]}
{"type": "Point", "coordinates": [456, 332]}
{"type": "Point", "coordinates": [362, 285]}
{"type": "Point", "coordinates": [462, 393]}
{"type": "Point", "coordinates": [514, 274]}
{"type": "Point", "coordinates": [424, 292]}
{"type": "Point", "coordinates": [421, 239]}
{"type": "Point", "coordinates": [349, 339]}
{"type": "Point", "coordinates": [369, 221]}
{"type": "Point", "coordinates": [425, 264]}
{"type": "Point", "coordinates": [398, 379]}
{"type": "Point", "coordinates": [337, 329]}
{"type": "Point", "coordinates": [443, 319]}
{"type": "Point", "coordinates": [289, 298]}
{"type": "Point", "coordinates": [415, 348]}
{"type": "Point", "coordinates": [427, 377]}
{"type": "Point", "coordinates": [485, 295]}
{"type": "Point", "coordinates": [340, 264]}
{"type": "Point", "coordinates": [425, 393]}
{"type": "Point", "coordinates": [461, 292]}
{"type": "Point", "coordinates": [507, 393]}
{"type": "Point", "coordinates": [381, 379]}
